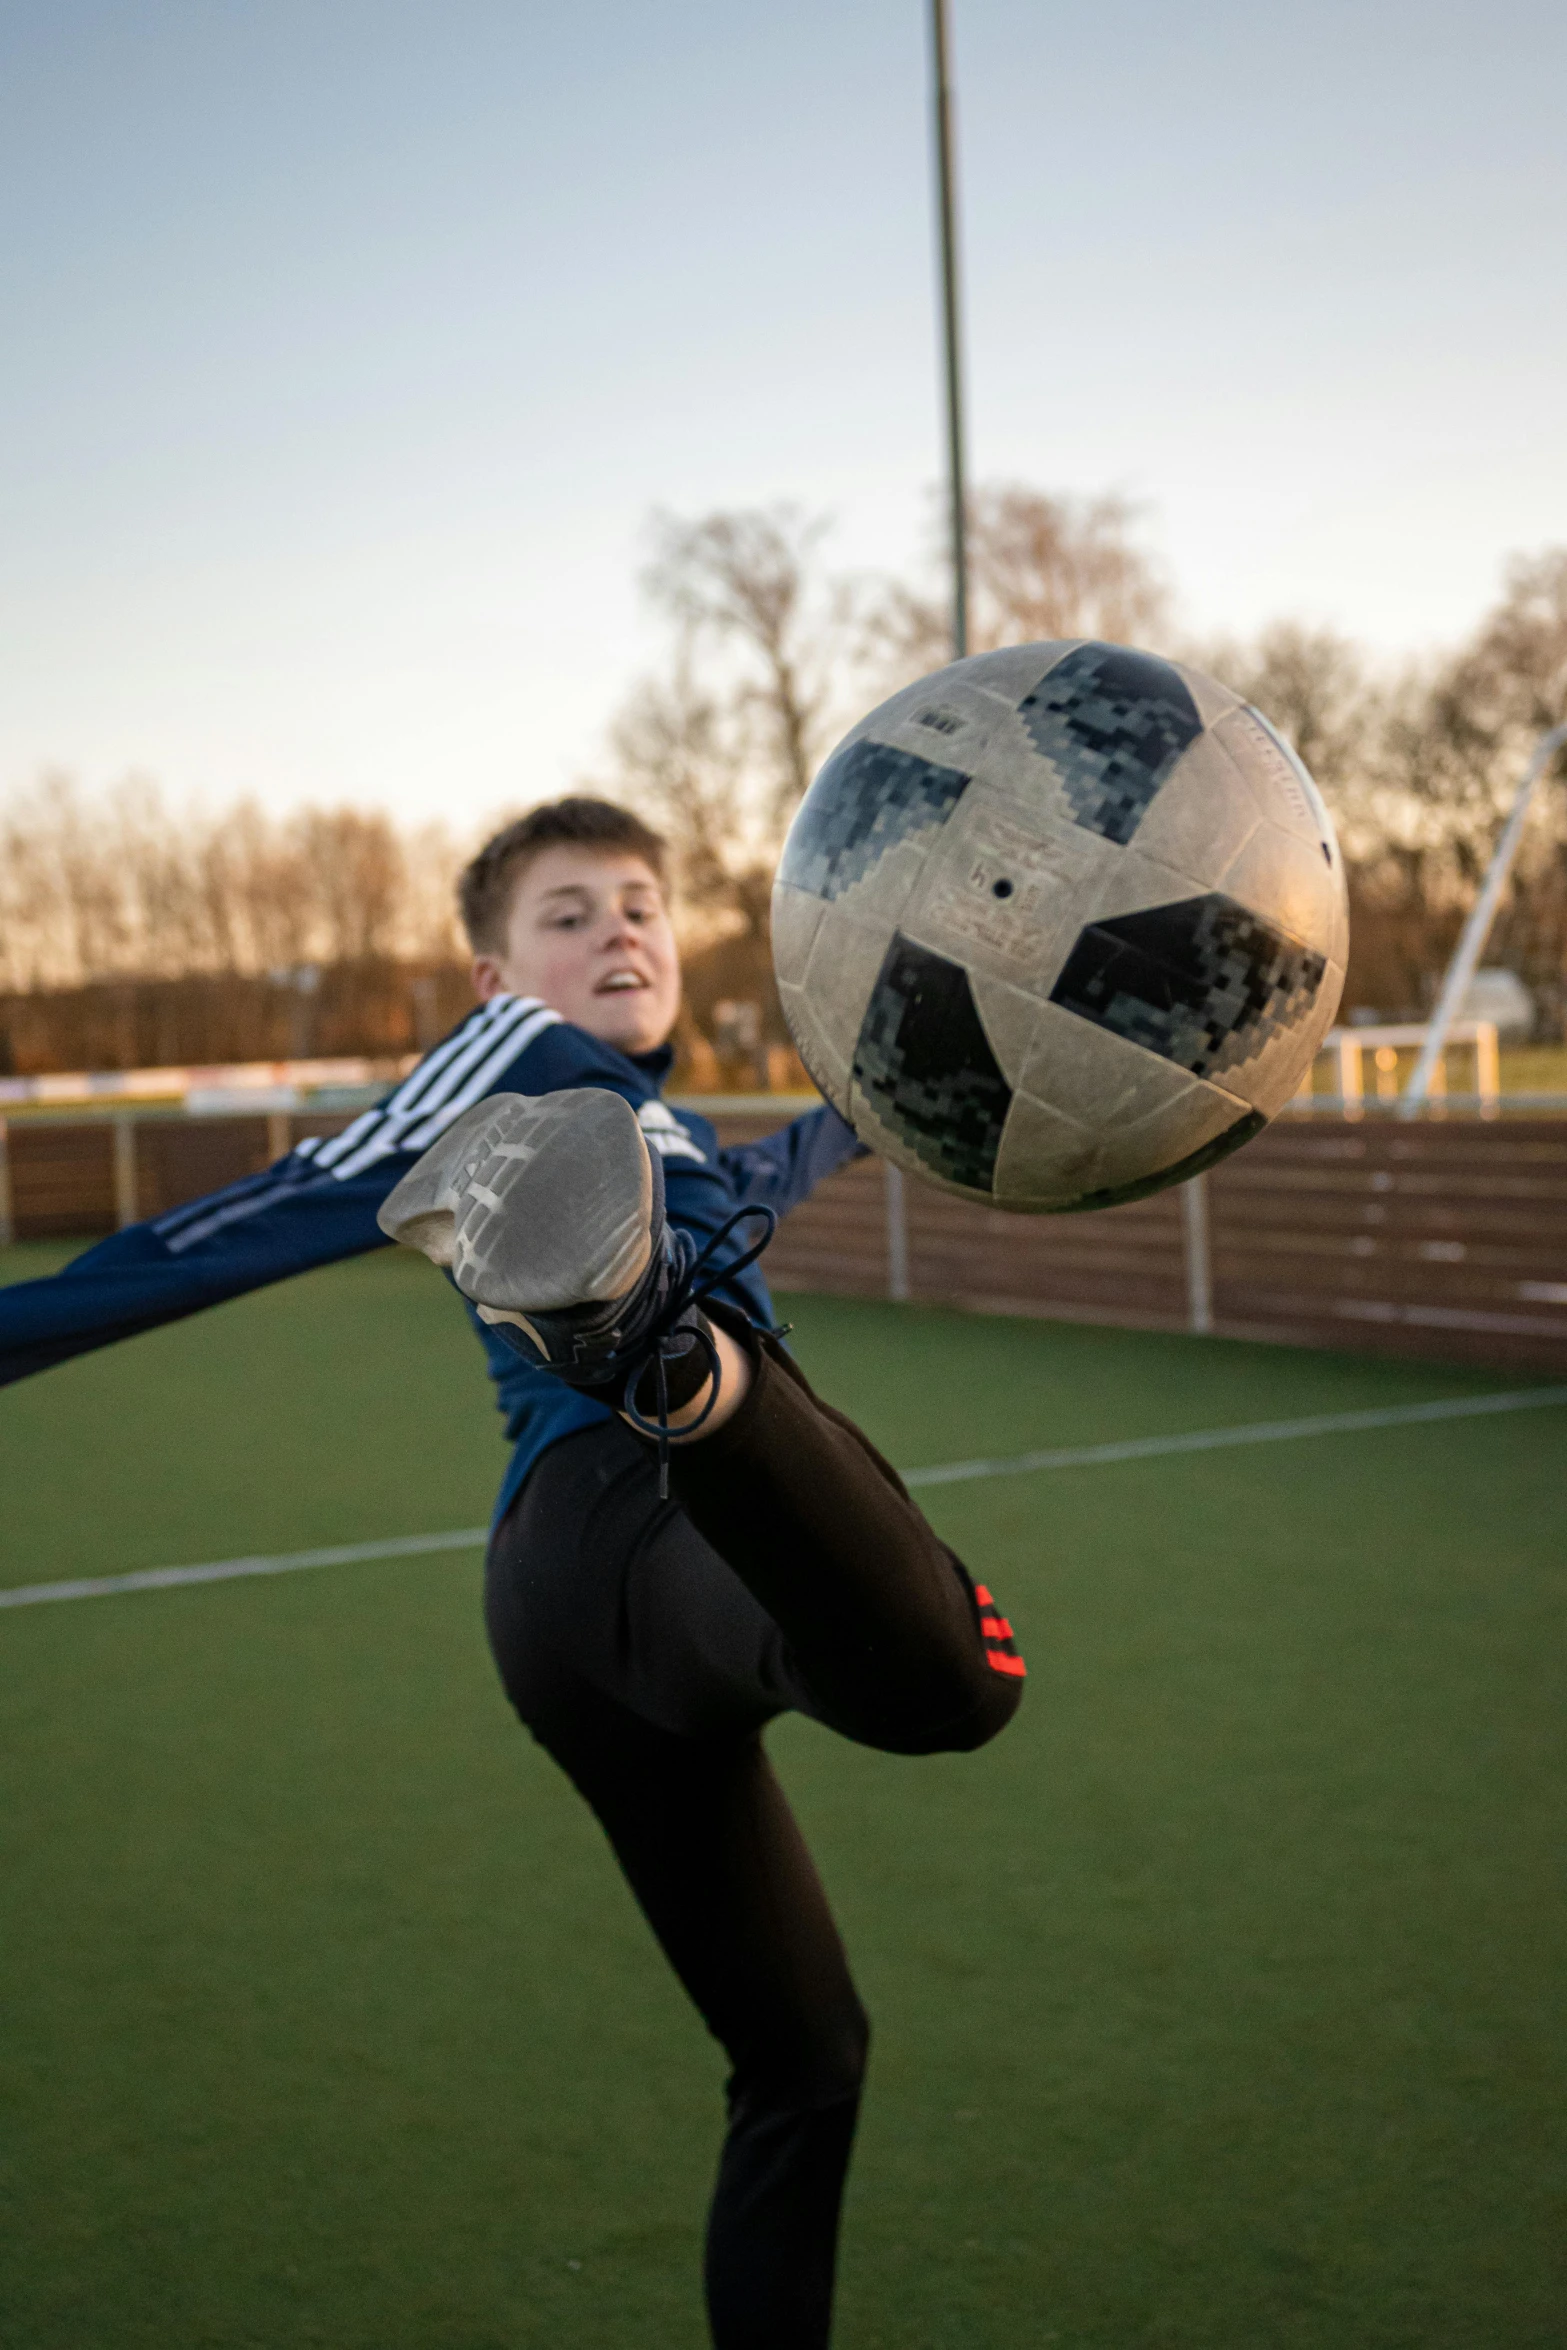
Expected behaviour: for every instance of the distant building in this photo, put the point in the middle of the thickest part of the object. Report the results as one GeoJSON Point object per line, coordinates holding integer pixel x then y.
{"type": "Point", "coordinates": [1500, 996]}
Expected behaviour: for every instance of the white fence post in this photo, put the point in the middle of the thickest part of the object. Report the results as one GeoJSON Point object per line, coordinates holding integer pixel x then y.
{"type": "Point", "coordinates": [1199, 1262]}
{"type": "Point", "coordinates": [1488, 1068]}
{"type": "Point", "coordinates": [897, 1235]}
{"type": "Point", "coordinates": [124, 1172]}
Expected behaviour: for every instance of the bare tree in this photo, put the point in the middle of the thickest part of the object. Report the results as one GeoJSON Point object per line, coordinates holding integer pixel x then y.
{"type": "Point", "coordinates": [1514, 674]}
{"type": "Point", "coordinates": [765, 647]}
{"type": "Point", "coordinates": [1041, 567]}
{"type": "Point", "coordinates": [160, 935]}
{"type": "Point", "coordinates": [720, 749]}
{"type": "Point", "coordinates": [356, 867]}
{"type": "Point", "coordinates": [1047, 567]}
{"type": "Point", "coordinates": [742, 585]}
{"type": "Point", "coordinates": [428, 930]}
{"type": "Point", "coordinates": [1419, 767]}
{"type": "Point", "coordinates": [117, 892]}
{"type": "Point", "coordinates": [681, 756]}
{"type": "Point", "coordinates": [1486, 707]}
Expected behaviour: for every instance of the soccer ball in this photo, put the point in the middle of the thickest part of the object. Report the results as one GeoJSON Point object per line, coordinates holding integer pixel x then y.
{"type": "Point", "coordinates": [1060, 925]}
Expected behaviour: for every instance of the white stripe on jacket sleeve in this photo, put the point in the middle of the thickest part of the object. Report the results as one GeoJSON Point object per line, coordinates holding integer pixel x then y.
{"type": "Point", "coordinates": [494, 1028]}
{"type": "Point", "coordinates": [418, 1128]}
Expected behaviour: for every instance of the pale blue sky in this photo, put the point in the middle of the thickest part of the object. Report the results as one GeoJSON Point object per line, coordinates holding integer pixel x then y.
{"type": "Point", "coordinates": [346, 346]}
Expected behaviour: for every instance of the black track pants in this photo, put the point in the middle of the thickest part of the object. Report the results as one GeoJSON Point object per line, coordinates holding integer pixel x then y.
{"type": "Point", "coordinates": [646, 1644]}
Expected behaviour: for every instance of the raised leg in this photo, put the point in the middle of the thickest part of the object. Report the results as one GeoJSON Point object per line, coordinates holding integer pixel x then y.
{"type": "Point", "coordinates": [895, 1644]}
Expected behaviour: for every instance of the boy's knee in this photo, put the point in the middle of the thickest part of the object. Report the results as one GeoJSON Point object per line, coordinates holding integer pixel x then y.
{"type": "Point", "coordinates": [992, 1699]}
{"type": "Point", "coordinates": [804, 2071]}
{"type": "Point", "coordinates": [991, 1715]}
{"type": "Point", "coordinates": [839, 2053]}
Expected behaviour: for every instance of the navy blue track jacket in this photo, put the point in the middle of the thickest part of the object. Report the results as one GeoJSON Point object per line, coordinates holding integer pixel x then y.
{"type": "Point", "coordinates": [319, 1205]}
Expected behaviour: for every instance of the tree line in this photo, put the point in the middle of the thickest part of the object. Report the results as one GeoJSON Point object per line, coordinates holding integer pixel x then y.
{"type": "Point", "coordinates": [768, 656]}
{"type": "Point", "coordinates": [131, 932]}
{"type": "Point", "coordinates": [135, 934]}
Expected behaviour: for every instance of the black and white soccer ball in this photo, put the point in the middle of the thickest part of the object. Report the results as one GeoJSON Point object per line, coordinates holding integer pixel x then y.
{"type": "Point", "coordinates": [1060, 925]}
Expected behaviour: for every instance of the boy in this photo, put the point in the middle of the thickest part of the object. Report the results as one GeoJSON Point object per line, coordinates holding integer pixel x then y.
{"type": "Point", "coordinates": [687, 1542]}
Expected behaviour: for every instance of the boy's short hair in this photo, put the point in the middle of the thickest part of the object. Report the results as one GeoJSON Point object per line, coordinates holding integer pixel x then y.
{"type": "Point", "coordinates": [484, 890]}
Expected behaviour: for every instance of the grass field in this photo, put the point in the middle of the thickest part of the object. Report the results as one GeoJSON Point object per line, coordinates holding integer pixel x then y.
{"type": "Point", "coordinates": [1219, 2003]}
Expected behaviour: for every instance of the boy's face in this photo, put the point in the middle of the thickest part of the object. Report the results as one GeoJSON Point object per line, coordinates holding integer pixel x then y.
{"type": "Point", "coordinates": [588, 931]}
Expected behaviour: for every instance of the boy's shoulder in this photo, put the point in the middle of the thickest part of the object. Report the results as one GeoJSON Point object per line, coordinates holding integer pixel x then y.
{"type": "Point", "coordinates": [677, 1136]}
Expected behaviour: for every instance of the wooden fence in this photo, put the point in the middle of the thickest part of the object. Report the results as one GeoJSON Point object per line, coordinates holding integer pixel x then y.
{"type": "Point", "coordinates": [1446, 1238]}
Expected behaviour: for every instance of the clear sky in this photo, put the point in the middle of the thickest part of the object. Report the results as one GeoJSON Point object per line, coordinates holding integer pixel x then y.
{"type": "Point", "coordinates": [347, 345]}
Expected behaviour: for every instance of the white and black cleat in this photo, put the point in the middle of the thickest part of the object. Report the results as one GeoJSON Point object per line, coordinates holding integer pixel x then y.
{"type": "Point", "coordinates": [535, 1201]}
{"type": "Point", "coordinates": [548, 1212]}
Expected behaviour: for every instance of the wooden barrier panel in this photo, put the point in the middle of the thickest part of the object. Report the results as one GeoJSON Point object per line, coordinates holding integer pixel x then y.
{"type": "Point", "coordinates": [1442, 1238]}
{"type": "Point", "coordinates": [1445, 1238]}
{"type": "Point", "coordinates": [61, 1179]}
{"type": "Point", "coordinates": [180, 1158]}
{"type": "Point", "coordinates": [1125, 1266]}
{"type": "Point", "coordinates": [88, 1176]}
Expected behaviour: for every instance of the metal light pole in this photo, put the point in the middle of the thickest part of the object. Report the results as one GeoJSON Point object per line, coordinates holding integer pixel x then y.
{"type": "Point", "coordinates": [947, 241]}
{"type": "Point", "coordinates": [941, 107]}
{"type": "Point", "coordinates": [1472, 943]}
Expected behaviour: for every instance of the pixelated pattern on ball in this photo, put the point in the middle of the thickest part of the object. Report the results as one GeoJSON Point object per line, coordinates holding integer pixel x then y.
{"type": "Point", "coordinates": [1203, 983]}
{"type": "Point", "coordinates": [865, 800]}
{"type": "Point", "coordinates": [1112, 724]}
{"type": "Point", "coordinates": [924, 1063]}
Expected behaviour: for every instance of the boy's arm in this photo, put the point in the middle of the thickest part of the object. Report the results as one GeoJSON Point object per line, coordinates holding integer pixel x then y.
{"type": "Point", "coordinates": [785, 1168]}
{"type": "Point", "coordinates": [314, 1207]}
{"type": "Point", "coordinates": [141, 1277]}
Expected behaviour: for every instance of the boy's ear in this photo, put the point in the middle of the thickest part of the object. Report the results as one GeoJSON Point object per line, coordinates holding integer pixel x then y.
{"type": "Point", "coordinates": [485, 973]}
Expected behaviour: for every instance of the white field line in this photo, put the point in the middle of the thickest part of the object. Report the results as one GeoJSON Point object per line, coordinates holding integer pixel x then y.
{"type": "Point", "coordinates": [288, 1562]}
{"type": "Point", "coordinates": [1145, 1448]}
{"type": "Point", "coordinates": [1021, 1464]}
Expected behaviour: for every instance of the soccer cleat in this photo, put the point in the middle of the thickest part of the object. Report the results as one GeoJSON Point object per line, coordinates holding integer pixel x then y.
{"type": "Point", "coordinates": [548, 1211]}
{"type": "Point", "coordinates": [535, 1202]}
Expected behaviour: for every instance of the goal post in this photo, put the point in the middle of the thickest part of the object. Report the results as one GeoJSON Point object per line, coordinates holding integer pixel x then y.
{"type": "Point", "coordinates": [1471, 944]}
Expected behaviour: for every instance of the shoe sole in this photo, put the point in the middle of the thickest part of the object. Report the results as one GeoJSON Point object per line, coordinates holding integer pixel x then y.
{"type": "Point", "coordinates": [535, 1202]}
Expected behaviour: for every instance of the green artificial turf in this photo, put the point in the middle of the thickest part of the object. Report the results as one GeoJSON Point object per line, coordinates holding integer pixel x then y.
{"type": "Point", "coordinates": [1218, 2003]}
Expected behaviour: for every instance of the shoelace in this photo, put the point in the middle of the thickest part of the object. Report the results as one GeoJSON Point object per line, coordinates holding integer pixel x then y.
{"type": "Point", "coordinates": [694, 1277]}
